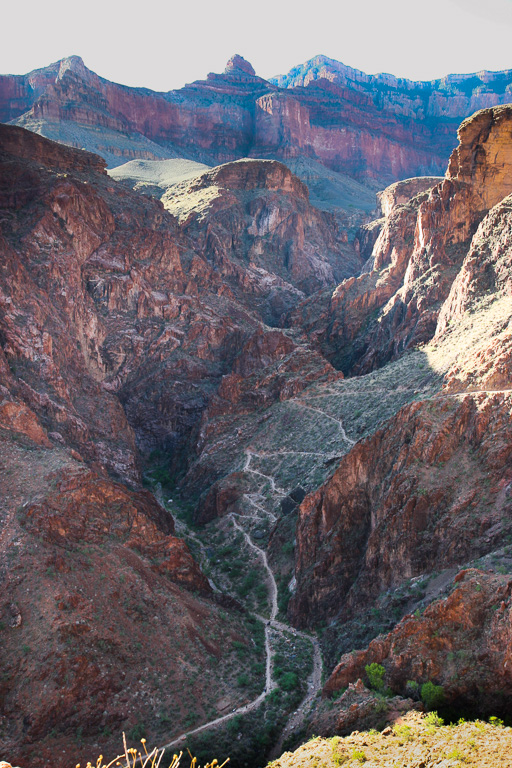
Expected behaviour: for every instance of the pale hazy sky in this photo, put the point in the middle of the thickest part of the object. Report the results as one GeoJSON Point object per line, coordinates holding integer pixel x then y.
{"type": "Point", "coordinates": [163, 44]}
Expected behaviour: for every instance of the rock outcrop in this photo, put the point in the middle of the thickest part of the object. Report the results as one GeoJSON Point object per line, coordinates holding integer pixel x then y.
{"type": "Point", "coordinates": [205, 327]}
{"type": "Point", "coordinates": [139, 296]}
{"type": "Point", "coordinates": [450, 96]}
{"type": "Point", "coordinates": [239, 64]}
{"type": "Point", "coordinates": [394, 509]}
{"type": "Point", "coordinates": [401, 192]}
{"type": "Point", "coordinates": [100, 604]}
{"type": "Point", "coordinates": [359, 708]}
{"type": "Point", "coordinates": [419, 250]}
{"type": "Point", "coordinates": [461, 643]}
{"type": "Point", "coordinates": [263, 236]}
{"type": "Point", "coordinates": [389, 513]}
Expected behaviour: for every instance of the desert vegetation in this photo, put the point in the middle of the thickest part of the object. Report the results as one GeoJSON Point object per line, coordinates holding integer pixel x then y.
{"type": "Point", "coordinates": [414, 740]}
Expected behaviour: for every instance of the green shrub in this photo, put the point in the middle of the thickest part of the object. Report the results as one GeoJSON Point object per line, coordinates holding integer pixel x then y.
{"type": "Point", "coordinates": [432, 695]}
{"type": "Point", "coordinates": [496, 721]}
{"type": "Point", "coordinates": [412, 689]}
{"type": "Point", "coordinates": [375, 674]}
{"type": "Point", "coordinates": [434, 720]}
{"type": "Point", "coordinates": [457, 754]}
{"type": "Point", "coordinates": [136, 733]}
{"type": "Point", "coordinates": [288, 681]}
{"type": "Point", "coordinates": [338, 757]}
{"type": "Point", "coordinates": [404, 732]}
{"type": "Point", "coordinates": [338, 694]}
{"type": "Point", "coordinates": [161, 475]}
{"type": "Point", "coordinates": [243, 680]}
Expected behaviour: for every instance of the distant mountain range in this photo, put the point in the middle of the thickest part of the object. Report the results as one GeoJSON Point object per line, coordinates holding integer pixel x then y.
{"type": "Point", "coordinates": [375, 128]}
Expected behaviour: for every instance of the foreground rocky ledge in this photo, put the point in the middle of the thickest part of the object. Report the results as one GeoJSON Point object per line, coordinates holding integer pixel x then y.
{"type": "Point", "coordinates": [415, 741]}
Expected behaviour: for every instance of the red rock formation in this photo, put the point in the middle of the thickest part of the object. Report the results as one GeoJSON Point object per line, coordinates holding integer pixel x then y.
{"type": "Point", "coordinates": [431, 489]}
{"type": "Point", "coordinates": [462, 642]}
{"type": "Point", "coordinates": [239, 64]}
{"type": "Point", "coordinates": [429, 235]}
{"type": "Point", "coordinates": [126, 306]}
{"type": "Point", "coordinates": [123, 327]}
{"type": "Point", "coordinates": [483, 279]}
{"type": "Point", "coordinates": [16, 417]}
{"type": "Point", "coordinates": [109, 273]}
{"type": "Point", "coordinates": [112, 327]}
{"type": "Point", "coordinates": [340, 319]}
{"type": "Point", "coordinates": [479, 176]}
{"type": "Point", "coordinates": [379, 133]}
{"type": "Point", "coordinates": [272, 244]}
{"type": "Point", "coordinates": [402, 191]}
{"type": "Point", "coordinates": [270, 368]}
{"type": "Point", "coordinates": [97, 629]}
{"type": "Point", "coordinates": [84, 507]}
{"type": "Point", "coordinates": [360, 708]}
{"type": "Point", "coordinates": [452, 96]}
{"type": "Point", "coordinates": [395, 508]}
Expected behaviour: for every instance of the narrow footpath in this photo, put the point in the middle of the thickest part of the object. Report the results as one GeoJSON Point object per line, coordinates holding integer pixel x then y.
{"type": "Point", "coordinates": [314, 680]}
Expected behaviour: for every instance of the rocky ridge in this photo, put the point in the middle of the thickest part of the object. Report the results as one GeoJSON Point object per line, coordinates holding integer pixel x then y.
{"type": "Point", "coordinates": [449, 96]}
{"type": "Point", "coordinates": [367, 127]}
{"type": "Point", "coordinates": [430, 490]}
{"type": "Point", "coordinates": [120, 321]}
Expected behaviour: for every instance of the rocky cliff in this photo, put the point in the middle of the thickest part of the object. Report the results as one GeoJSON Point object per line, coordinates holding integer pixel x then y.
{"type": "Point", "coordinates": [368, 127]}
{"type": "Point", "coordinates": [418, 249]}
{"type": "Point", "coordinates": [462, 641]}
{"type": "Point", "coordinates": [430, 490]}
{"type": "Point", "coordinates": [451, 96]}
{"type": "Point", "coordinates": [118, 322]}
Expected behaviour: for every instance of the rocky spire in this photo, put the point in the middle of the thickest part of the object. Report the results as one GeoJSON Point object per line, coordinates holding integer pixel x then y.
{"type": "Point", "coordinates": [237, 65]}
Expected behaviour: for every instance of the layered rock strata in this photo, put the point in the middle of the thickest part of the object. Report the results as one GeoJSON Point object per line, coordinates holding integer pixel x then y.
{"type": "Point", "coordinates": [118, 324]}
{"type": "Point", "coordinates": [394, 305]}
{"type": "Point", "coordinates": [429, 490]}
{"type": "Point", "coordinates": [364, 126]}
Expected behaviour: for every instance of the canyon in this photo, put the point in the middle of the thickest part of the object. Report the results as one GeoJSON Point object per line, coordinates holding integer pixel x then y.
{"type": "Point", "coordinates": [239, 432]}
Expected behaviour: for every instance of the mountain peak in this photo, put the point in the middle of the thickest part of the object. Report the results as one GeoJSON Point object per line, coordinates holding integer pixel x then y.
{"type": "Point", "coordinates": [72, 64]}
{"type": "Point", "coordinates": [239, 64]}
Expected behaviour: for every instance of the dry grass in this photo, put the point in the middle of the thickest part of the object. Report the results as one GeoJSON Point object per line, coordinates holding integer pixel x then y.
{"type": "Point", "coordinates": [416, 741]}
{"type": "Point", "coordinates": [133, 758]}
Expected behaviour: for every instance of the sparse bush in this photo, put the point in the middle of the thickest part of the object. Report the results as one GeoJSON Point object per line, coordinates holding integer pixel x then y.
{"type": "Point", "coordinates": [434, 720]}
{"type": "Point", "coordinates": [161, 475]}
{"type": "Point", "coordinates": [375, 674]}
{"type": "Point", "coordinates": [338, 757]}
{"type": "Point", "coordinates": [288, 681]}
{"type": "Point", "coordinates": [496, 721]}
{"type": "Point", "coordinates": [432, 695]}
{"type": "Point", "coordinates": [404, 732]}
{"type": "Point", "coordinates": [137, 733]}
{"type": "Point", "coordinates": [457, 754]}
{"type": "Point", "coordinates": [338, 694]}
{"type": "Point", "coordinates": [412, 689]}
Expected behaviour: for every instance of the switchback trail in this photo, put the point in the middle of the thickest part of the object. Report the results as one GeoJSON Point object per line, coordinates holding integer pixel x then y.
{"type": "Point", "coordinates": [327, 416]}
{"type": "Point", "coordinates": [314, 680]}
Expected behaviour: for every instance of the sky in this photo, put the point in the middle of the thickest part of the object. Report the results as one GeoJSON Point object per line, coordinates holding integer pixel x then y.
{"type": "Point", "coordinates": [163, 44]}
